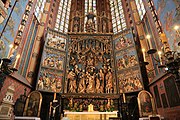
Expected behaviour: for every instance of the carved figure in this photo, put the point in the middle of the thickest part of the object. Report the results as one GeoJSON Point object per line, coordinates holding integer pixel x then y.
{"type": "Point", "coordinates": [90, 24]}
{"type": "Point", "coordinates": [70, 103]}
{"type": "Point", "coordinates": [53, 107]}
{"type": "Point", "coordinates": [97, 85]}
{"type": "Point", "coordinates": [101, 77]}
{"type": "Point", "coordinates": [90, 87]}
{"type": "Point", "coordinates": [109, 79]}
{"type": "Point", "coordinates": [82, 86]}
{"type": "Point", "coordinates": [72, 82]}
{"type": "Point", "coordinates": [76, 22]}
{"type": "Point", "coordinates": [108, 105]}
{"type": "Point", "coordinates": [40, 83]}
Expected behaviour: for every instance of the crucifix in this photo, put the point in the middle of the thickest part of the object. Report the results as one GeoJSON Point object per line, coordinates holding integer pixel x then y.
{"type": "Point", "coordinates": [53, 106]}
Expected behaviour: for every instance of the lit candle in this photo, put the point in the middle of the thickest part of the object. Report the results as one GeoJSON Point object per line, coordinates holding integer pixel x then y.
{"type": "Point", "coordinates": [159, 53]}
{"type": "Point", "coordinates": [124, 98]}
{"type": "Point", "coordinates": [144, 54]}
{"type": "Point", "coordinates": [55, 96]}
{"type": "Point", "coordinates": [176, 27]}
{"type": "Point", "coordinates": [17, 58]}
{"type": "Point", "coordinates": [10, 47]}
{"type": "Point", "coordinates": [1, 63]}
{"type": "Point", "coordinates": [149, 41]}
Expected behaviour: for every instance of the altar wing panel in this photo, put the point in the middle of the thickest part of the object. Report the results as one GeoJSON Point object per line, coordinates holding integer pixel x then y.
{"type": "Point", "coordinates": [127, 64]}
{"type": "Point", "coordinates": [52, 68]}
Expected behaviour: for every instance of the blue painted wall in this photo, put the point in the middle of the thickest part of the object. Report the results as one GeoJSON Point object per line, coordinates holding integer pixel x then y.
{"type": "Point", "coordinates": [11, 29]}
{"type": "Point", "coordinates": [169, 14]}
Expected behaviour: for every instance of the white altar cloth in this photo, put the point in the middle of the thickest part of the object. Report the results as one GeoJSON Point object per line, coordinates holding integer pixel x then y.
{"type": "Point", "coordinates": [26, 118]}
{"type": "Point", "coordinates": [95, 115]}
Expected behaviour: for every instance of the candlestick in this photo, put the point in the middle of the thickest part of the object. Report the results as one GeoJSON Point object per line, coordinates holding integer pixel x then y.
{"type": "Point", "coordinates": [144, 54]}
{"type": "Point", "coordinates": [10, 47]}
{"type": "Point", "coordinates": [159, 53]}
{"type": "Point", "coordinates": [55, 96]}
{"type": "Point", "coordinates": [17, 58]}
{"type": "Point", "coordinates": [124, 98]}
{"type": "Point", "coordinates": [149, 41]}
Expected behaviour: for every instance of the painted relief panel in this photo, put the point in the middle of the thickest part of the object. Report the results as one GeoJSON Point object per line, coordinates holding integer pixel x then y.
{"type": "Point", "coordinates": [56, 42]}
{"type": "Point", "coordinates": [123, 42]}
{"type": "Point", "coordinates": [52, 60]}
{"type": "Point", "coordinates": [130, 80]}
{"type": "Point", "coordinates": [169, 14]}
{"type": "Point", "coordinates": [50, 80]}
{"type": "Point", "coordinates": [90, 65]}
{"type": "Point", "coordinates": [126, 58]}
{"type": "Point", "coordinates": [12, 26]}
{"type": "Point", "coordinates": [127, 63]}
{"type": "Point", "coordinates": [51, 71]}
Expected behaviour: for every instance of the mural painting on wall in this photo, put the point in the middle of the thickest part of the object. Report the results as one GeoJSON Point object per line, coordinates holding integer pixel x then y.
{"type": "Point", "coordinates": [90, 68]}
{"type": "Point", "coordinates": [169, 14]}
{"type": "Point", "coordinates": [52, 64]}
{"type": "Point", "coordinates": [126, 59]}
{"type": "Point", "coordinates": [130, 80]}
{"type": "Point", "coordinates": [11, 28]}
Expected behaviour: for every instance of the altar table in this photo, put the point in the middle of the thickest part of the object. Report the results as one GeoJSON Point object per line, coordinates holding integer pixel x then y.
{"type": "Point", "coordinates": [26, 118]}
{"type": "Point", "coordinates": [90, 115]}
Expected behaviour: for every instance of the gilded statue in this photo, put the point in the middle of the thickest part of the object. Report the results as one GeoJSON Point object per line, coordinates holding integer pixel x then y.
{"type": "Point", "coordinates": [108, 105]}
{"type": "Point", "coordinates": [109, 85]}
{"type": "Point", "coordinates": [72, 81]}
{"type": "Point", "coordinates": [70, 103]}
{"type": "Point", "coordinates": [101, 77]}
{"type": "Point", "coordinates": [90, 24]}
{"type": "Point", "coordinates": [76, 21]}
{"type": "Point", "coordinates": [97, 85]}
{"type": "Point", "coordinates": [90, 87]}
{"type": "Point", "coordinates": [82, 86]}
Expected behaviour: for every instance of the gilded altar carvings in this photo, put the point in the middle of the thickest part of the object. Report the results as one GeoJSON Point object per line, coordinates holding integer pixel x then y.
{"type": "Point", "coordinates": [79, 105]}
{"type": "Point", "coordinates": [90, 67]}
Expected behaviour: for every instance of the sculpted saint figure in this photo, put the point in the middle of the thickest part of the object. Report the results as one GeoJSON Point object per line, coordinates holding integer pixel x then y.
{"type": "Point", "coordinates": [72, 82]}
{"type": "Point", "coordinates": [109, 79]}
{"type": "Point", "coordinates": [82, 86]}
{"type": "Point", "coordinates": [90, 87]}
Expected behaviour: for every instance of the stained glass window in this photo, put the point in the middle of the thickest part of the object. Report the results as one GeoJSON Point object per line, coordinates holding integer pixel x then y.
{"type": "Point", "coordinates": [140, 8]}
{"type": "Point", "coordinates": [117, 13]}
{"type": "Point", "coordinates": [63, 16]}
{"type": "Point", "coordinates": [39, 8]}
